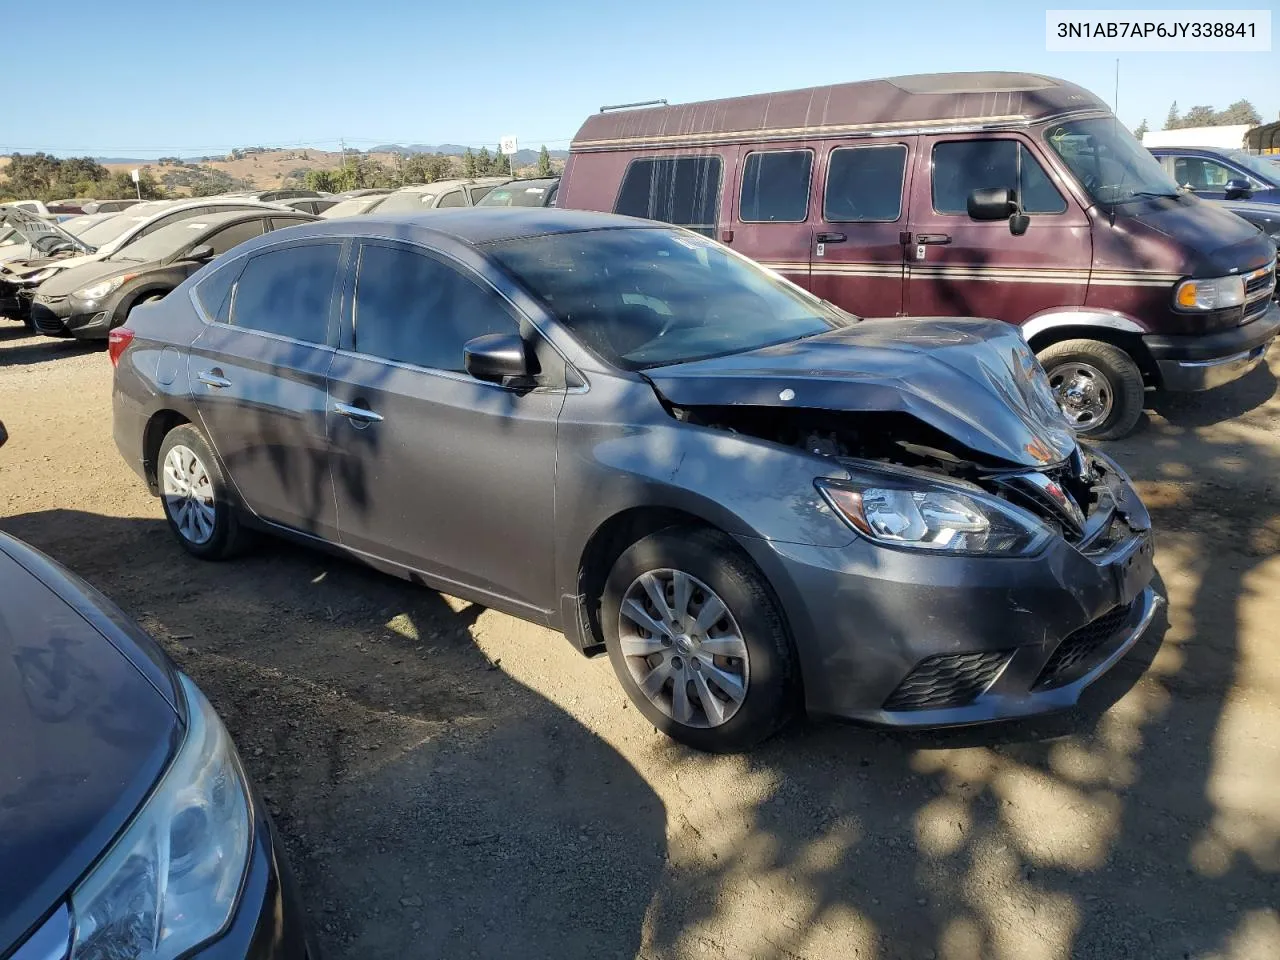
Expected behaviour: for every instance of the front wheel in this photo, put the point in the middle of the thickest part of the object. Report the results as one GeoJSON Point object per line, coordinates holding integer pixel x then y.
{"type": "Point", "coordinates": [196, 497]}
{"type": "Point", "coordinates": [1097, 385]}
{"type": "Point", "coordinates": [697, 640]}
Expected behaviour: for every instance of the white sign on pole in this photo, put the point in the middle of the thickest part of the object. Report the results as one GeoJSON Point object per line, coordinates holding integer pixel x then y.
{"type": "Point", "coordinates": [134, 175]}
{"type": "Point", "coordinates": [508, 146]}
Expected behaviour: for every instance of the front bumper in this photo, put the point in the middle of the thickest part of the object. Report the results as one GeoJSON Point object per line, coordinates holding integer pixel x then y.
{"type": "Point", "coordinates": [88, 319]}
{"type": "Point", "coordinates": [1191, 363]}
{"type": "Point", "coordinates": [907, 639]}
{"type": "Point", "coordinates": [49, 315]}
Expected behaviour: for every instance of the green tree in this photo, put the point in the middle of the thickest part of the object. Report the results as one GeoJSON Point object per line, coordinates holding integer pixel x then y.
{"type": "Point", "coordinates": [1142, 129]}
{"type": "Point", "coordinates": [468, 163]}
{"type": "Point", "coordinates": [1199, 116]}
{"type": "Point", "coordinates": [427, 168]}
{"type": "Point", "coordinates": [501, 164]}
{"type": "Point", "coordinates": [544, 160]}
{"type": "Point", "coordinates": [1242, 111]}
{"type": "Point", "coordinates": [1172, 121]}
{"type": "Point", "coordinates": [484, 163]}
{"type": "Point", "coordinates": [31, 175]}
{"type": "Point", "coordinates": [74, 169]}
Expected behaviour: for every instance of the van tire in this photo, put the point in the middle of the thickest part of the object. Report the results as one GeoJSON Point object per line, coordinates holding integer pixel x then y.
{"type": "Point", "coordinates": [1120, 381]}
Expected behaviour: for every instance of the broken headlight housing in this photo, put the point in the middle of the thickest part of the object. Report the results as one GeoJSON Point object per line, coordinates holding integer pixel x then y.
{"type": "Point", "coordinates": [172, 880]}
{"type": "Point", "coordinates": [911, 510]}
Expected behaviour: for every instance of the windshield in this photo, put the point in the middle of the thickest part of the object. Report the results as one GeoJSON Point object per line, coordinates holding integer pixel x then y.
{"type": "Point", "coordinates": [165, 241]}
{"type": "Point", "coordinates": [516, 195]}
{"type": "Point", "coordinates": [1109, 163]}
{"type": "Point", "coordinates": [108, 229]}
{"type": "Point", "coordinates": [1259, 166]}
{"type": "Point", "coordinates": [641, 297]}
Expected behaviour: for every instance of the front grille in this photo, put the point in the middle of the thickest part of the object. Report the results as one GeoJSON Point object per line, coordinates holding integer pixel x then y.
{"type": "Point", "coordinates": [50, 301]}
{"type": "Point", "coordinates": [947, 680]}
{"type": "Point", "coordinates": [45, 320]}
{"type": "Point", "coordinates": [1254, 310]}
{"type": "Point", "coordinates": [1260, 282]}
{"type": "Point", "coordinates": [1081, 649]}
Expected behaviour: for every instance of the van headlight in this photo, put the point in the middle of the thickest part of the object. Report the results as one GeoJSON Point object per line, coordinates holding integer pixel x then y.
{"type": "Point", "coordinates": [172, 879]}
{"type": "Point", "coordinates": [904, 509]}
{"type": "Point", "coordinates": [1209, 294]}
{"type": "Point", "coordinates": [100, 290]}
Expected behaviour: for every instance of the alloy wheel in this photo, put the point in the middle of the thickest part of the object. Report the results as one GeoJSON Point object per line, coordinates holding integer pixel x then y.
{"type": "Point", "coordinates": [188, 494]}
{"type": "Point", "coordinates": [683, 648]}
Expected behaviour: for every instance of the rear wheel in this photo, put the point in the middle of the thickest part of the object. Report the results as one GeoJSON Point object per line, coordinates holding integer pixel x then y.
{"type": "Point", "coordinates": [195, 496]}
{"type": "Point", "coordinates": [1097, 385]}
{"type": "Point", "coordinates": [697, 640]}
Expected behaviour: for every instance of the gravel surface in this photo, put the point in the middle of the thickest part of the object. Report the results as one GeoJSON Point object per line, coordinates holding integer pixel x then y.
{"type": "Point", "coordinates": [455, 783]}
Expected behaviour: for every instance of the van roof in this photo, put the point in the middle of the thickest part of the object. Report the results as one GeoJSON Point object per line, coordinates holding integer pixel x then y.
{"type": "Point", "coordinates": [930, 101]}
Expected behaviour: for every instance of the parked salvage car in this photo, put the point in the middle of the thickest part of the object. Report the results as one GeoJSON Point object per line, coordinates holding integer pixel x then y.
{"type": "Point", "coordinates": [440, 194]}
{"type": "Point", "coordinates": [90, 300]}
{"type": "Point", "coordinates": [523, 193]}
{"type": "Point", "coordinates": [627, 432]}
{"type": "Point", "coordinates": [110, 206]}
{"type": "Point", "coordinates": [1264, 216]}
{"type": "Point", "coordinates": [1215, 173]}
{"type": "Point", "coordinates": [1009, 195]}
{"type": "Point", "coordinates": [356, 203]}
{"type": "Point", "coordinates": [315, 205]}
{"type": "Point", "coordinates": [128, 827]}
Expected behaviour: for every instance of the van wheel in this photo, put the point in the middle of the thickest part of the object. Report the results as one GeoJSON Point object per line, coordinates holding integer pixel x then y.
{"type": "Point", "coordinates": [1097, 385]}
{"type": "Point", "coordinates": [697, 639]}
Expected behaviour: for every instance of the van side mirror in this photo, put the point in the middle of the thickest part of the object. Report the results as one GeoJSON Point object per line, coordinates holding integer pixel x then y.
{"type": "Point", "coordinates": [998, 203]}
{"type": "Point", "coordinates": [200, 254]}
{"type": "Point", "coordinates": [1238, 188]}
{"type": "Point", "coordinates": [498, 358]}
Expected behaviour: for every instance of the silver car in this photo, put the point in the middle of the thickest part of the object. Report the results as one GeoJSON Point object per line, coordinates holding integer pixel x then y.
{"type": "Point", "coordinates": [755, 502]}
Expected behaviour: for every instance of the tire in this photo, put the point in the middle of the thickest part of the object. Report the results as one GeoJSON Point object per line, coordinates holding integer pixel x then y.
{"type": "Point", "coordinates": [699, 657]}
{"type": "Point", "coordinates": [213, 534]}
{"type": "Point", "coordinates": [1099, 372]}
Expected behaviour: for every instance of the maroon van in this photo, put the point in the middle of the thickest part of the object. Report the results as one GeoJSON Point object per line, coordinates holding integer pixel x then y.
{"type": "Point", "coordinates": [1003, 195]}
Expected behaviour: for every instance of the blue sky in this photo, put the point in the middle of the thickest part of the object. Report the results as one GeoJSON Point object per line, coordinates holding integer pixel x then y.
{"type": "Point", "coordinates": [160, 78]}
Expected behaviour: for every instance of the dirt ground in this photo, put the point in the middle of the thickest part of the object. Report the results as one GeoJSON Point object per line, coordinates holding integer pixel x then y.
{"type": "Point", "coordinates": [454, 783]}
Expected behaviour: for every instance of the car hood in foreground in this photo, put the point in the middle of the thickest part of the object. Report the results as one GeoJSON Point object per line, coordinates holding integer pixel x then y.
{"type": "Point", "coordinates": [88, 725]}
{"type": "Point", "coordinates": [977, 381]}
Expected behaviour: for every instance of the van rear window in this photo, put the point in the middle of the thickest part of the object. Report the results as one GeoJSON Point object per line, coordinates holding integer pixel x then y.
{"type": "Point", "coordinates": [680, 190]}
{"type": "Point", "coordinates": [775, 187]}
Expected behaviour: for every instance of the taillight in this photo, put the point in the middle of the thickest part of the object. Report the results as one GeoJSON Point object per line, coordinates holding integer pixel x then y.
{"type": "Point", "coordinates": [118, 341]}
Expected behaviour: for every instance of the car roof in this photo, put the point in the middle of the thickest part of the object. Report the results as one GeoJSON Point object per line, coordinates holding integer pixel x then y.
{"type": "Point", "coordinates": [934, 100]}
{"type": "Point", "coordinates": [477, 225]}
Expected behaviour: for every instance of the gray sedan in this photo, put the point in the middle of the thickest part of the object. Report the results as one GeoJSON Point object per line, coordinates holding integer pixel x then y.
{"type": "Point", "coordinates": [754, 501]}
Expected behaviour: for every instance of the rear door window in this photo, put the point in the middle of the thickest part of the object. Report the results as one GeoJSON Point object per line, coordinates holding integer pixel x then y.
{"type": "Point", "coordinates": [864, 184]}
{"type": "Point", "coordinates": [413, 308]}
{"type": "Point", "coordinates": [453, 198]}
{"type": "Point", "coordinates": [775, 187]}
{"type": "Point", "coordinates": [214, 291]}
{"type": "Point", "coordinates": [679, 190]}
{"type": "Point", "coordinates": [288, 291]}
{"type": "Point", "coordinates": [962, 166]}
{"type": "Point", "coordinates": [234, 235]}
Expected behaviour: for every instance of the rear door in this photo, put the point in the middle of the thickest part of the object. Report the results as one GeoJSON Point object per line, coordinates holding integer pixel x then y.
{"type": "Point", "coordinates": [772, 203]}
{"type": "Point", "coordinates": [258, 373]}
{"type": "Point", "coordinates": [857, 223]}
{"type": "Point", "coordinates": [434, 469]}
{"type": "Point", "coordinates": [958, 267]}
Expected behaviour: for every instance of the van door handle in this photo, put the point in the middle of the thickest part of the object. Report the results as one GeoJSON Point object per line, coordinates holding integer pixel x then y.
{"type": "Point", "coordinates": [831, 238]}
{"type": "Point", "coordinates": [357, 414]}
{"type": "Point", "coordinates": [213, 378]}
{"type": "Point", "coordinates": [933, 238]}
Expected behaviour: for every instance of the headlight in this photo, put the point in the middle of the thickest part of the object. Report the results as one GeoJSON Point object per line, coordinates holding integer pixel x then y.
{"type": "Point", "coordinates": [99, 290]}
{"type": "Point", "coordinates": [1209, 294]}
{"type": "Point", "coordinates": [172, 879]}
{"type": "Point", "coordinates": [905, 509]}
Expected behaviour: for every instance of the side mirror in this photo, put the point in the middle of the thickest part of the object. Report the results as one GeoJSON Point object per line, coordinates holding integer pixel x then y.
{"type": "Point", "coordinates": [201, 254]}
{"type": "Point", "coordinates": [998, 203]}
{"type": "Point", "coordinates": [497, 357]}
{"type": "Point", "coordinates": [1238, 189]}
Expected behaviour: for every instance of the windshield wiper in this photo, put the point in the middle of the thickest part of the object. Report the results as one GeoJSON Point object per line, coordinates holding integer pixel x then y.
{"type": "Point", "coordinates": [1153, 193]}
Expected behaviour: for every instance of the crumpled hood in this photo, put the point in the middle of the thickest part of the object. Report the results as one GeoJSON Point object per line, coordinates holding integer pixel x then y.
{"type": "Point", "coordinates": [975, 380]}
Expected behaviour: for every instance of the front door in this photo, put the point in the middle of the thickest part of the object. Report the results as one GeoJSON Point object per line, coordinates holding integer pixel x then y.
{"type": "Point", "coordinates": [958, 267]}
{"type": "Point", "coordinates": [433, 469]}
{"type": "Point", "coordinates": [258, 374]}
{"type": "Point", "coordinates": [857, 222]}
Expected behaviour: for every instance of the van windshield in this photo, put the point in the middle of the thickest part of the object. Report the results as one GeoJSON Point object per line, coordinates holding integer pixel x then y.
{"type": "Point", "coordinates": [646, 297]}
{"type": "Point", "coordinates": [1109, 163]}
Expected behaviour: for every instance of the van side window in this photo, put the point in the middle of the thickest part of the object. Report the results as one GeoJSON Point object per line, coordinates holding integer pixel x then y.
{"type": "Point", "coordinates": [962, 166]}
{"type": "Point", "coordinates": [680, 190]}
{"type": "Point", "coordinates": [864, 184]}
{"type": "Point", "coordinates": [775, 187]}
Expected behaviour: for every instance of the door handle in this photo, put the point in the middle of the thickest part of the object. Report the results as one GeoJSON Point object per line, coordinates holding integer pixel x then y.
{"type": "Point", "coordinates": [830, 238]}
{"type": "Point", "coordinates": [933, 238]}
{"type": "Point", "coordinates": [213, 378]}
{"type": "Point", "coordinates": [359, 414]}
